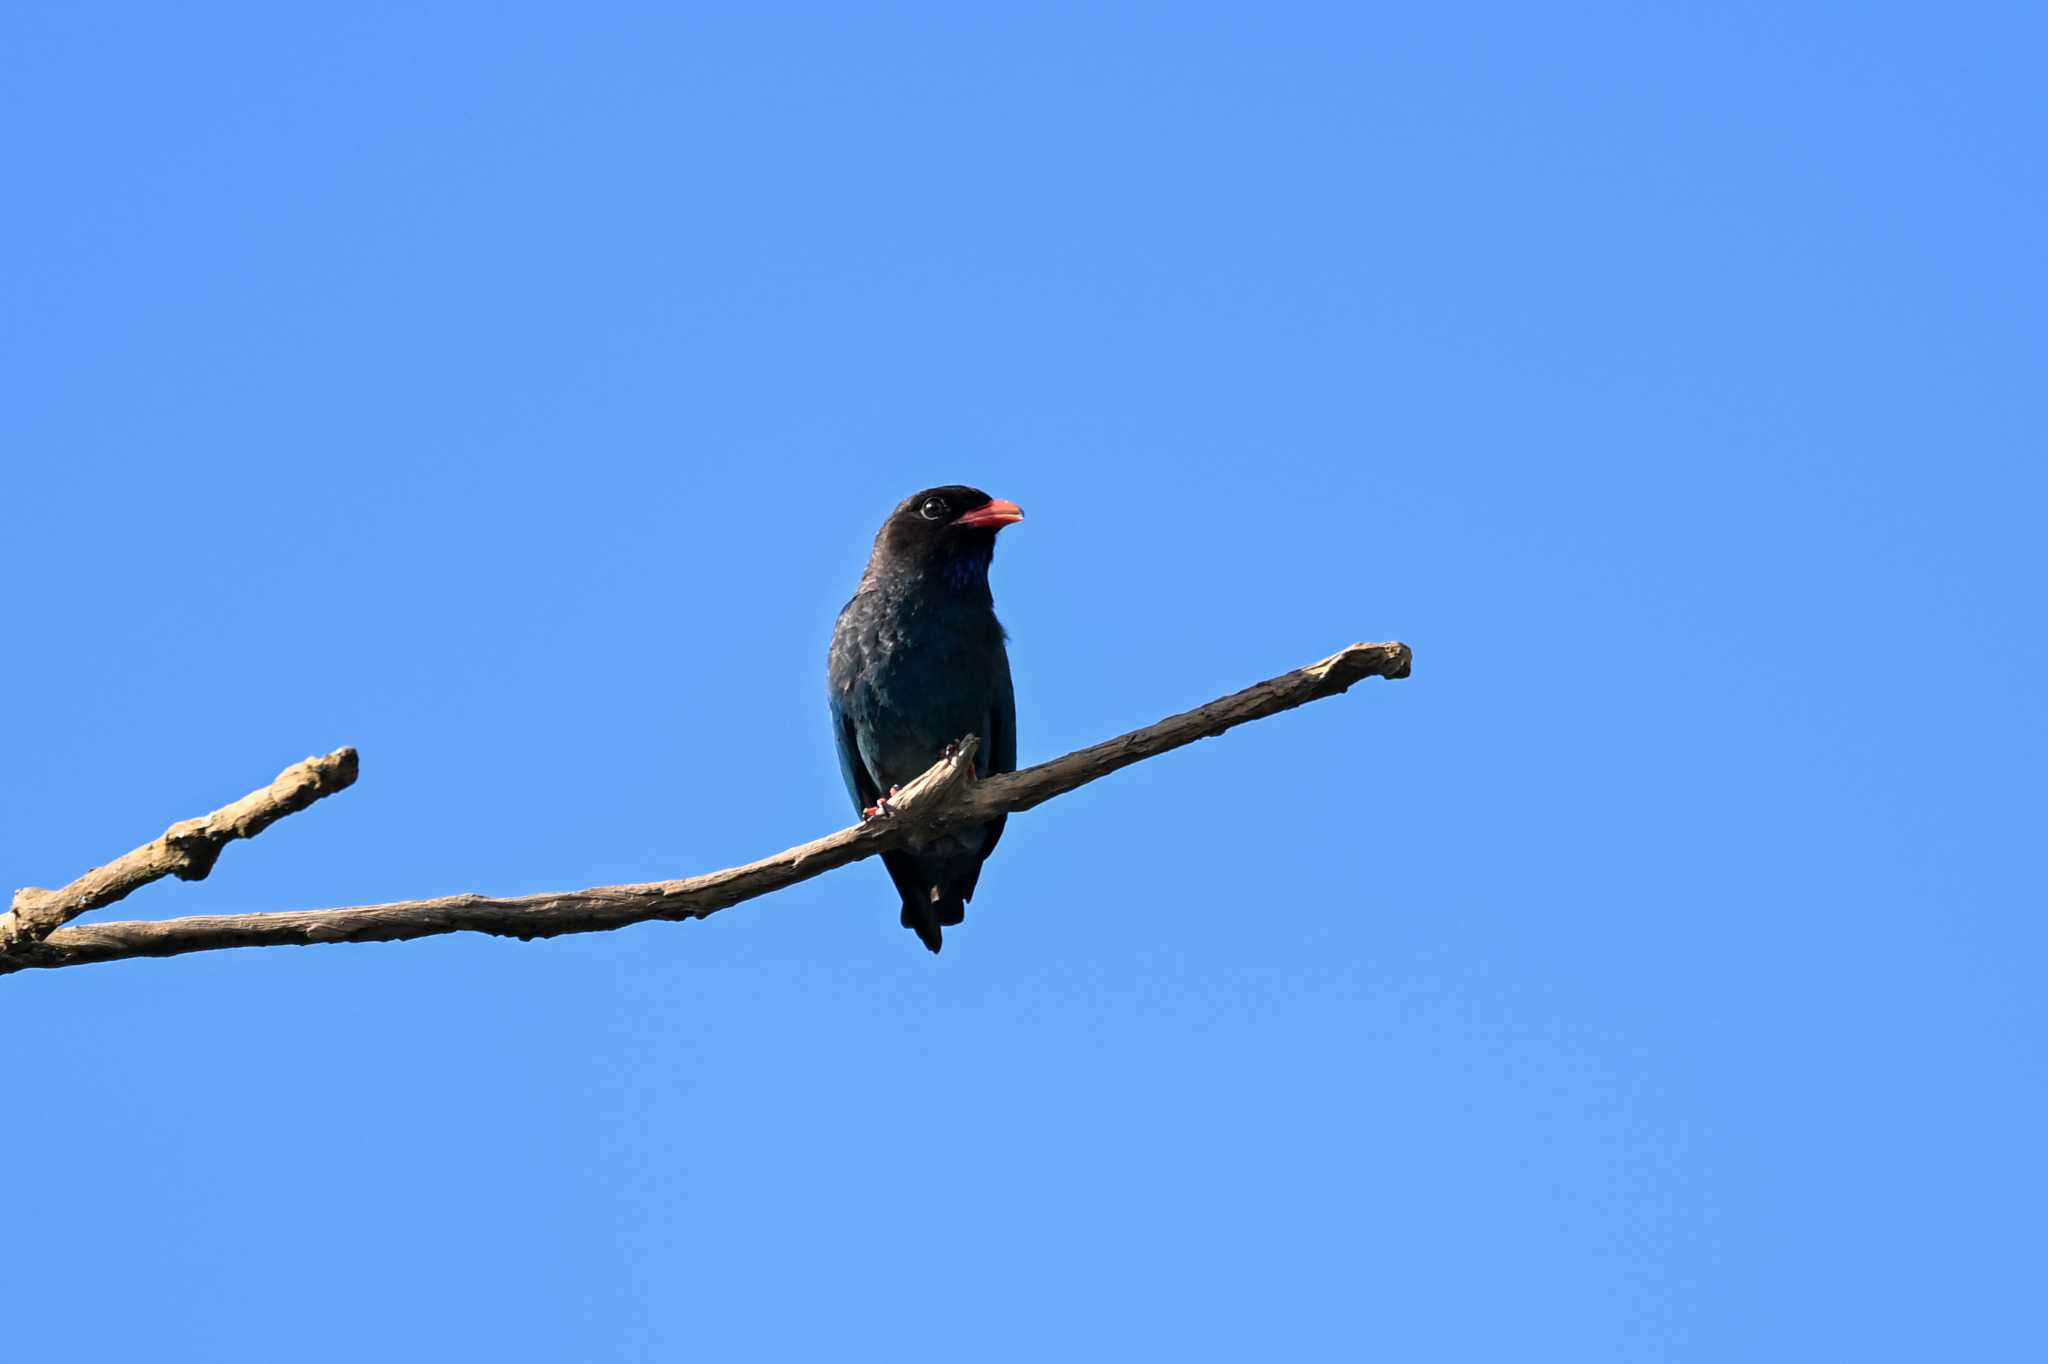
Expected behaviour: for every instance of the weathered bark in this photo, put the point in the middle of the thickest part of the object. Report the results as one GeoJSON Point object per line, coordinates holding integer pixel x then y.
{"type": "Point", "coordinates": [944, 797]}
{"type": "Point", "coordinates": [187, 850]}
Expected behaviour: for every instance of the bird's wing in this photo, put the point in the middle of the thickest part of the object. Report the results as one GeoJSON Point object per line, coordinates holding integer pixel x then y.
{"type": "Point", "coordinates": [1000, 756]}
{"type": "Point", "coordinates": [902, 866]}
{"type": "Point", "coordinates": [852, 771]}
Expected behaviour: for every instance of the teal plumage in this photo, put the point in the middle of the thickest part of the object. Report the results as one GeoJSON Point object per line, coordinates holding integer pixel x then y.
{"type": "Point", "coordinates": [918, 661]}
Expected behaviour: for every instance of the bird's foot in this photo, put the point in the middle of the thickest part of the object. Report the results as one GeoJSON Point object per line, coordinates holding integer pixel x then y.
{"type": "Point", "coordinates": [950, 749]}
{"type": "Point", "coordinates": [881, 809]}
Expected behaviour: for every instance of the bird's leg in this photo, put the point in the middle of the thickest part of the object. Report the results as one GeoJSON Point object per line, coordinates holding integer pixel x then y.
{"type": "Point", "coordinates": [881, 809]}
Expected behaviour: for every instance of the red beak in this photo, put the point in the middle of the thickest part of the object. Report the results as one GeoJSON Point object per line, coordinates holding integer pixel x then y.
{"type": "Point", "coordinates": [995, 515]}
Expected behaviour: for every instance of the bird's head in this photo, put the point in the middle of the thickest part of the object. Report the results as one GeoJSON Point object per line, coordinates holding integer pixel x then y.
{"type": "Point", "coordinates": [948, 531]}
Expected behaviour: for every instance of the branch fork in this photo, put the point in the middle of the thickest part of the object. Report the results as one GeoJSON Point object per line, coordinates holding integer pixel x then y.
{"type": "Point", "coordinates": [187, 850]}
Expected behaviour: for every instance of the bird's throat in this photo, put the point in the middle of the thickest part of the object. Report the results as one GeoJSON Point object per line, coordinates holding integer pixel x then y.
{"type": "Point", "coordinates": [965, 573]}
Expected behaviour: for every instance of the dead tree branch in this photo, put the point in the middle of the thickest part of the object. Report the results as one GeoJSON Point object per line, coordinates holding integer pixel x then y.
{"type": "Point", "coordinates": [187, 851]}
{"type": "Point", "coordinates": [943, 798]}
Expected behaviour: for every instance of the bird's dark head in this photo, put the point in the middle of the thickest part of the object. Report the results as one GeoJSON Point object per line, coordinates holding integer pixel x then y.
{"type": "Point", "coordinates": [949, 533]}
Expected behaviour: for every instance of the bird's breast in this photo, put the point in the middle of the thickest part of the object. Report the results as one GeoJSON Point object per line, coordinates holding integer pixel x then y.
{"type": "Point", "coordinates": [926, 677]}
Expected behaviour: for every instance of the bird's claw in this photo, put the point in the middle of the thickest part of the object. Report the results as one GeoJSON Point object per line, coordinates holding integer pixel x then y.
{"type": "Point", "coordinates": [881, 809]}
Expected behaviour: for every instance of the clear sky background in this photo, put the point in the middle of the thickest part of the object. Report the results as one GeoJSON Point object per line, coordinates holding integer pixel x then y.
{"type": "Point", "coordinates": [513, 392]}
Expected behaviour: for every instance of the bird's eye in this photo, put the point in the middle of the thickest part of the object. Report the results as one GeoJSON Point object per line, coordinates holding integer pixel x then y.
{"type": "Point", "coordinates": [934, 509]}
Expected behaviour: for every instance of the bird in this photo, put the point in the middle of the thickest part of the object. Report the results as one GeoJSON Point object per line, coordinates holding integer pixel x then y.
{"type": "Point", "coordinates": [917, 662]}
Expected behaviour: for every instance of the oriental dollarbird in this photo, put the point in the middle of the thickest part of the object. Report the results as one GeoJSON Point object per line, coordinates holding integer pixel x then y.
{"type": "Point", "coordinates": [917, 663]}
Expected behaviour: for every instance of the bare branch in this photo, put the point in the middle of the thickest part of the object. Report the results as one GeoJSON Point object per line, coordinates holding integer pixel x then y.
{"type": "Point", "coordinates": [187, 850]}
{"type": "Point", "coordinates": [945, 797]}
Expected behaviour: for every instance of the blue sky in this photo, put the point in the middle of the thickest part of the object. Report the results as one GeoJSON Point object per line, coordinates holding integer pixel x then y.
{"type": "Point", "coordinates": [512, 392]}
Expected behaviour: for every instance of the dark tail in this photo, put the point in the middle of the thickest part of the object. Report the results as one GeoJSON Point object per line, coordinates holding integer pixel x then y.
{"type": "Point", "coordinates": [926, 917]}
